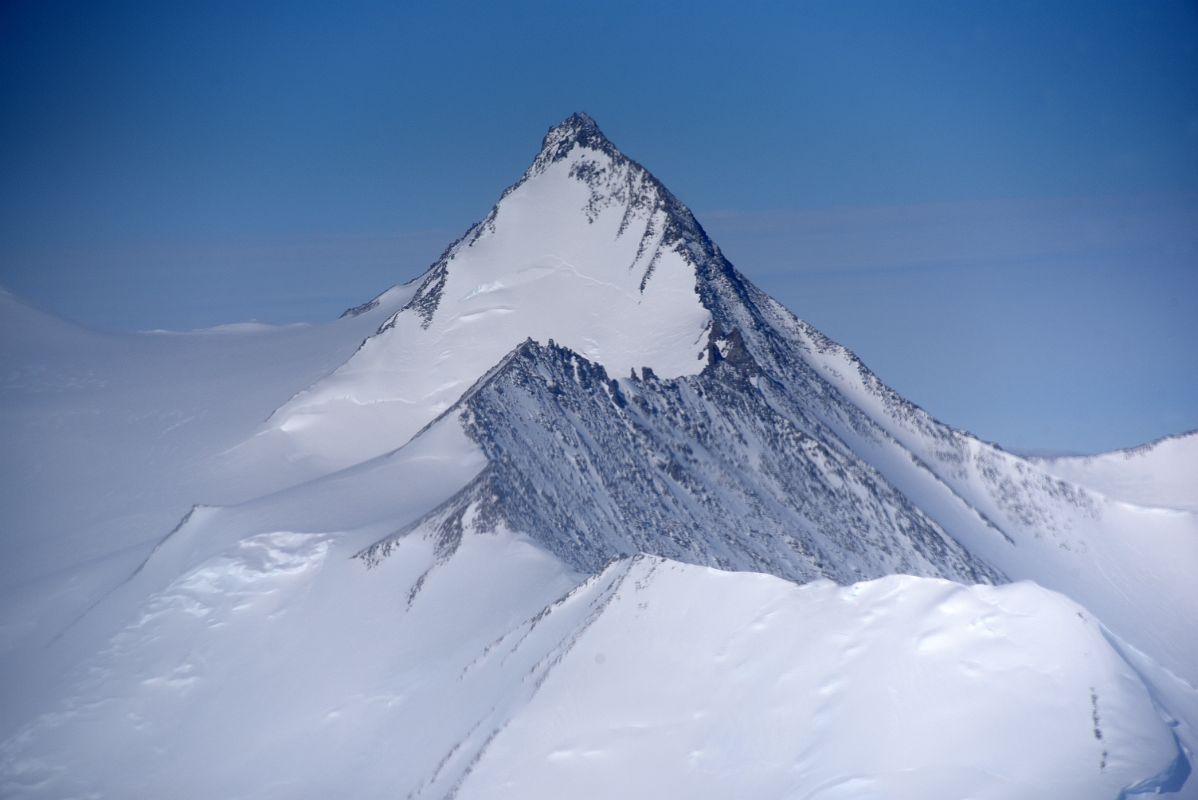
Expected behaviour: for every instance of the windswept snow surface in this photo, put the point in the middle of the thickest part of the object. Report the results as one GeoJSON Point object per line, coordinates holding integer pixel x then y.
{"type": "Point", "coordinates": [397, 554]}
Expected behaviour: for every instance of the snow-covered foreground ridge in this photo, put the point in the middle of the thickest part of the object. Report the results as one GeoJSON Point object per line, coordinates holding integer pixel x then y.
{"type": "Point", "coordinates": [399, 553]}
{"type": "Point", "coordinates": [263, 669]}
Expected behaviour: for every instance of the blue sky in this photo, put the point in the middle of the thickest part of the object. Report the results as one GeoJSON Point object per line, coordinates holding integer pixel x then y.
{"type": "Point", "coordinates": [994, 204]}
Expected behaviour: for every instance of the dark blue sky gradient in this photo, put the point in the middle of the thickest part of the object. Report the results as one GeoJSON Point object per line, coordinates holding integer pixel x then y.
{"type": "Point", "coordinates": [994, 204]}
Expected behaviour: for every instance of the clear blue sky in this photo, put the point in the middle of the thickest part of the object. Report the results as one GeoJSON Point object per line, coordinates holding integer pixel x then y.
{"type": "Point", "coordinates": [994, 204]}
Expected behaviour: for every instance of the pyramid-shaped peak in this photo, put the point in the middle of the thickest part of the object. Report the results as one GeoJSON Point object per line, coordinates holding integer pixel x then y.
{"type": "Point", "coordinates": [577, 129]}
{"type": "Point", "coordinates": [578, 122]}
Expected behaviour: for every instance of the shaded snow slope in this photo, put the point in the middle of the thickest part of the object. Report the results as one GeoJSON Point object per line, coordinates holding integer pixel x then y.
{"type": "Point", "coordinates": [582, 250]}
{"type": "Point", "coordinates": [108, 439]}
{"type": "Point", "coordinates": [280, 664]}
{"type": "Point", "coordinates": [138, 427]}
{"type": "Point", "coordinates": [356, 506]}
{"type": "Point", "coordinates": [1161, 474]}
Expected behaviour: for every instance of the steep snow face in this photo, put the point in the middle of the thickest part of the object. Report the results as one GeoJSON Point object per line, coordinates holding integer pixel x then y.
{"type": "Point", "coordinates": [584, 249]}
{"type": "Point", "coordinates": [1162, 474]}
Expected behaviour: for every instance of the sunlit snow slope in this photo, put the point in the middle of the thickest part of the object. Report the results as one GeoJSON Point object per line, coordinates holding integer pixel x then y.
{"type": "Point", "coordinates": [280, 668]}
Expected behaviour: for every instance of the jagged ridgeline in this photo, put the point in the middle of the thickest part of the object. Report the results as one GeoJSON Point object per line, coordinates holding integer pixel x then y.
{"type": "Point", "coordinates": [703, 469]}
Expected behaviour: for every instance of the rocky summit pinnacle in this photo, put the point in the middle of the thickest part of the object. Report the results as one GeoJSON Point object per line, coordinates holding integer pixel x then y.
{"type": "Point", "coordinates": [577, 129]}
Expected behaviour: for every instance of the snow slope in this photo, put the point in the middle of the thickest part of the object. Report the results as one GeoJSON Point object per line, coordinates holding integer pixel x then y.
{"type": "Point", "coordinates": [140, 426]}
{"type": "Point", "coordinates": [933, 683]}
{"type": "Point", "coordinates": [1161, 474]}
{"type": "Point", "coordinates": [109, 439]}
{"type": "Point", "coordinates": [495, 677]}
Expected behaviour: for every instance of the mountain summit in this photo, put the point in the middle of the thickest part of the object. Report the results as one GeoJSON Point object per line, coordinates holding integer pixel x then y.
{"type": "Point", "coordinates": [587, 249]}
{"type": "Point", "coordinates": [578, 129]}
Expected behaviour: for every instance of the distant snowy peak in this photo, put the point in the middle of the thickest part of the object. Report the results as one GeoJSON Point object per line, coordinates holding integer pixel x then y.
{"type": "Point", "coordinates": [587, 249]}
{"type": "Point", "coordinates": [616, 180]}
{"type": "Point", "coordinates": [578, 129]}
{"type": "Point", "coordinates": [612, 181]}
{"type": "Point", "coordinates": [578, 148]}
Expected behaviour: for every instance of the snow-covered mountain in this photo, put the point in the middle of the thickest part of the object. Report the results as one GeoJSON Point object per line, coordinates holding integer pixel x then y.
{"type": "Point", "coordinates": [745, 441]}
{"type": "Point", "coordinates": [533, 537]}
{"type": "Point", "coordinates": [585, 249]}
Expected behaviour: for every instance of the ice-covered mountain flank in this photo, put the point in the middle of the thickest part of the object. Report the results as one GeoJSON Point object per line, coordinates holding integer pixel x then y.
{"type": "Point", "coordinates": [667, 405]}
{"type": "Point", "coordinates": [530, 525]}
{"type": "Point", "coordinates": [702, 469]}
